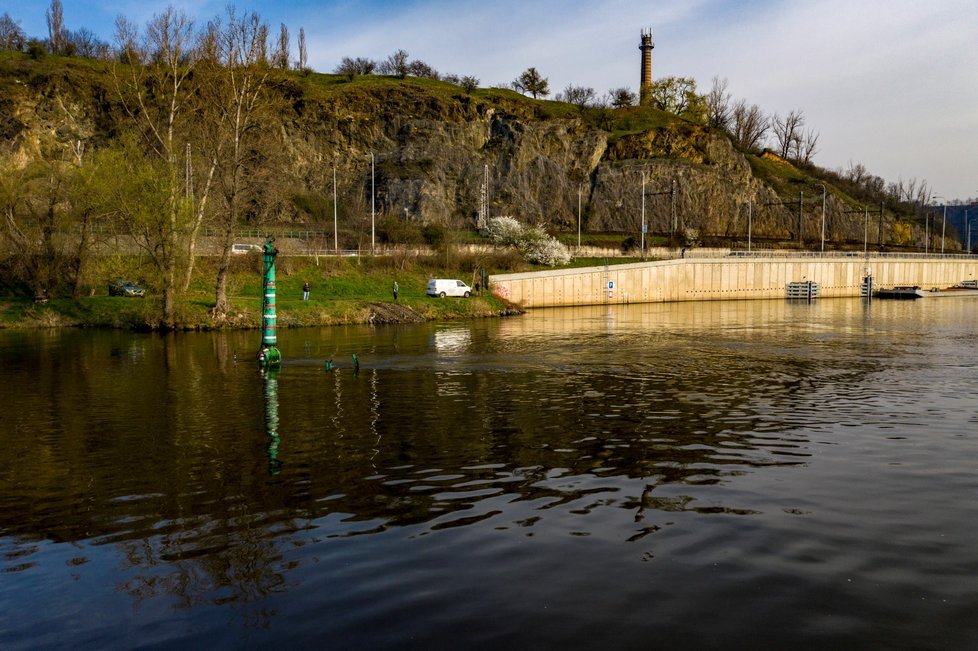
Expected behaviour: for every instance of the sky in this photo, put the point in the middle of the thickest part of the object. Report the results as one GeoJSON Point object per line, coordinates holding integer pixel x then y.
{"type": "Point", "coordinates": [889, 84]}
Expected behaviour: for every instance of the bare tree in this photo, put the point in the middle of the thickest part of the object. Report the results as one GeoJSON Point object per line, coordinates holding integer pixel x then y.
{"type": "Point", "coordinates": [11, 35]}
{"type": "Point", "coordinates": [718, 110]}
{"type": "Point", "coordinates": [84, 43]}
{"type": "Point", "coordinates": [421, 69]}
{"type": "Point", "coordinates": [350, 68]}
{"type": "Point", "coordinates": [56, 27]}
{"type": "Point", "coordinates": [129, 50]}
{"type": "Point", "coordinates": [159, 99]}
{"type": "Point", "coordinates": [396, 64]}
{"type": "Point", "coordinates": [281, 56]}
{"type": "Point", "coordinates": [808, 146]}
{"type": "Point", "coordinates": [856, 173]}
{"type": "Point", "coordinates": [750, 125]}
{"type": "Point", "coordinates": [241, 100]}
{"type": "Point", "coordinates": [621, 97]}
{"type": "Point", "coordinates": [580, 96]}
{"type": "Point", "coordinates": [787, 132]}
{"type": "Point", "coordinates": [303, 54]}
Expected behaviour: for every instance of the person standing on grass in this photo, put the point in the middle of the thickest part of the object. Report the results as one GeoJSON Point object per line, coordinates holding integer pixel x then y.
{"type": "Point", "coordinates": [394, 289]}
{"type": "Point", "coordinates": [305, 291]}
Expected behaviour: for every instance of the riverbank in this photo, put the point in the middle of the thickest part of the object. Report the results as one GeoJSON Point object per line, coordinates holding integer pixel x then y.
{"type": "Point", "coordinates": [342, 292]}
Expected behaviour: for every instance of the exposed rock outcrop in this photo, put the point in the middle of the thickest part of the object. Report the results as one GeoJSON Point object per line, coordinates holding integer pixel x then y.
{"type": "Point", "coordinates": [432, 147]}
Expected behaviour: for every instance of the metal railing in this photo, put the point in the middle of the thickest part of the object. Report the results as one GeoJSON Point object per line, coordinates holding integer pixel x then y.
{"type": "Point", "coordinates": [848, 255]}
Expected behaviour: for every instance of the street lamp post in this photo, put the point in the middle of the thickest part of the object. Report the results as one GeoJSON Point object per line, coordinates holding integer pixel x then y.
{"type": "Point", "coordinates": [580, 189]}
{"type": "Point", "coordinates": [373, 195]}
{"type": "Point", "coordinates": [643, 215]}
{"type": "Point", "coordinates": [336, 237]}
{"type": "Point", "coordinates": [866, 233]}
{"type": "Point", "coordinates": [967, 224]}
{"type": "Point", "coordinates": [750, 217]}
{"type": "Point", "coordinates": [926, 233]}
{"type": "Point", "coordinates": [944, 222]}
{"type": "Point", "coordinates": [672, 191]}
{"type": "Point", "coordinates": [823, 218]}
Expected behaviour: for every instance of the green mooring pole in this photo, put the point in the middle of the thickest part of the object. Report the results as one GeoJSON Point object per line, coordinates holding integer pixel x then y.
{"type": "Point", "coordinates": [268, 354]}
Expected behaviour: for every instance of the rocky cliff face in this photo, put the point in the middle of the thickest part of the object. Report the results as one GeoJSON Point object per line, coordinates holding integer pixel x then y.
{"type": "Point", "coordinates": [432, 156]}
{"type": "Point", "coordinates": [432, 152]}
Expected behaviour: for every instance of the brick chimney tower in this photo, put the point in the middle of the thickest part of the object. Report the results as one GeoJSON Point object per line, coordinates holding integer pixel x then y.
{"type": "Point", "coordinates": [646, 47]}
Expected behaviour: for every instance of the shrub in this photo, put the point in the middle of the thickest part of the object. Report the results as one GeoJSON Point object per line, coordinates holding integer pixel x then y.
{"type": "Point", "coordinates": [433, 234]}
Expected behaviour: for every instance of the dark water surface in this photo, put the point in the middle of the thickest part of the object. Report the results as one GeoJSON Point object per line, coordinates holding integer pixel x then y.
{"type": "Point", "coordinates": [716, 475]}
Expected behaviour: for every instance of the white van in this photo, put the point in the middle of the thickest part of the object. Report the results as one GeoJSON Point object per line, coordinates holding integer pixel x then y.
{"type": "Point", "coordinates": [442, 287]}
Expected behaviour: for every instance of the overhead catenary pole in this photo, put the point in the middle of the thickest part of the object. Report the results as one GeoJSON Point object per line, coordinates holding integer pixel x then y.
{"type": "Point", "coordinates": [801, 203]}
{"type": "Point", "coordinates": [866, 233]}
{"type": "Point", "coordinates": [943, 226]}
{"type": "Point", "coordinates": [373, 196]}
{"type": "Point", "coordinates": [336, 237]}
{"type": "Point", "coordinates": [643, 214]}
{"type": "Point", "coordinates": [823, 218]}
{"type": "Point", "coordinates": [927, 232]}
{"type": "Point", "coordinates": [672, 191]}
{"type": "Point", "coordinates": [944, 222]}
{"type": "Point", "coordinates": [580, 189]}
{"type": "Point", "coordinates": [967, 224]}
{"type": "Point", "coordinates": [750, 217]}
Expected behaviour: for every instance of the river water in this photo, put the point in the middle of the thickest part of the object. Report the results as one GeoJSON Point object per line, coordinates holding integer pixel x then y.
{"type": "Point", "coordinates": [755, 474]}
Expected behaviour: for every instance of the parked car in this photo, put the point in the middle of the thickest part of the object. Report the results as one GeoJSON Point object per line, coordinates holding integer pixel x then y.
{"type": "Point", "coordinates": [442, 287]}
{"type": "Point", "coordinates": [126, 288]}
{"type": "Point", "coordinates": [240, 249]}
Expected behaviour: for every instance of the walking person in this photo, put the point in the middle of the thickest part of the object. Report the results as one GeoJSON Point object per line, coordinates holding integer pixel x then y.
{"type": "Point", "coordinates": [305, 291]}
{"type": "Point", "coordinates": [394, 289]}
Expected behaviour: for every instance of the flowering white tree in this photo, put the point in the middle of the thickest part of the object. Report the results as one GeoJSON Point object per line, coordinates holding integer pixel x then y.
{"type": "Point", "coordinates": [549, 252]}
{"type": "Point", "coordinates": [532, 241]}
{"type": "Point", "coordinates": [503, 231]}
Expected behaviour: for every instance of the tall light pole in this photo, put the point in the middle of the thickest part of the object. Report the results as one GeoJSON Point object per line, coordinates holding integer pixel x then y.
{"type": "Point", "coordinates": [675, 223]}
{"type": "Point", "coordinates": [944, 222]}
{"type": "Point", "coordinates": [336, 237]}
{"type": "Point", "coordinates": [373, 195]}
{"type": "Point", "coordinates": [823, 218]}
{"type": "Point", "coordinates": [580, 189]}
{"type": "Point", "coordinates": [643, 214]}
{"type": "Point", "coordinates": [967, 223]}
{"type": "Point", "coordinates": [926, 233]}
{"type": "Point", "coordinates": [943, 226]}
{"type": "Point", "coordinates": [750, 218]}
{"type": "Point", "coordinates": [866, 233]}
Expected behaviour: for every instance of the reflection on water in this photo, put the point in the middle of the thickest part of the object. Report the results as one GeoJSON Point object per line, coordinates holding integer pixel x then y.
{"type": "Point", "coordinates": [753, 472]}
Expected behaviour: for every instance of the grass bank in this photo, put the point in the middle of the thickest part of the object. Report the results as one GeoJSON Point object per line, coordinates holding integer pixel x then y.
{"type": "Point", "coordinates": [343, 291]}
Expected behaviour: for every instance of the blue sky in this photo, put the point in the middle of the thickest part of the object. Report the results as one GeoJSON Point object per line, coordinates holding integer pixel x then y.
{"type": "Point", "coordinates": [891, 84]}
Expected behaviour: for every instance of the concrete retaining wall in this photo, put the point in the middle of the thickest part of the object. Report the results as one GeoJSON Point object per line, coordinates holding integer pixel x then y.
{"type": "Point", "coordinates": [727, 278]}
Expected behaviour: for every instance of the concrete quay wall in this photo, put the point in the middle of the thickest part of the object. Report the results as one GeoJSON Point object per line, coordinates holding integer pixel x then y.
{"type": "Point", "coordinates": [725, 278]}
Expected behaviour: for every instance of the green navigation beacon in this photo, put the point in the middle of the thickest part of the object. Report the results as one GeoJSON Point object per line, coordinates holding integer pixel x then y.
{"type": "Point", "coordinates": [268, 354]}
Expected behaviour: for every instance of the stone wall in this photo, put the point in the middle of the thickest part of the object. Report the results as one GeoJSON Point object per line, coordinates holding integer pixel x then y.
{"type": "Point", "coordinates": [725, 278]}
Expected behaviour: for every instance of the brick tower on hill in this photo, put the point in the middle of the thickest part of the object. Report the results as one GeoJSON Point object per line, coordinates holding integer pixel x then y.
{"type": "Point", "coordinates": [645, 89]}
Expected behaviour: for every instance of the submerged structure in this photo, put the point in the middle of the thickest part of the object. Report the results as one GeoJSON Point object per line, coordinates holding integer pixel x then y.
{"type": "Point", "coordinates": [268, 354]}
